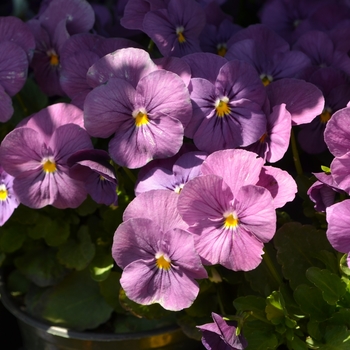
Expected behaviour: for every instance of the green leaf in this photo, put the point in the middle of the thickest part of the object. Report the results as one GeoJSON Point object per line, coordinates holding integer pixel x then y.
{"type": "Point", "coordinates": [275, 310]}
{"type": "Point", "coordinates": [41, 267]}
{"type": "Point", "coordinates": [315, 330]}
{"type": "Point", "coordinates": [28, 101]}
{"type": "Point", "coordinates": [88, 207]}
{"type": "Point", "coordinates": [297, 245]}
{"type": "Point", "coordinates": [110, 288]}
{"type": "Point", "coordinates": [331, 286]}
{"type": "Point", "coordinates": [12, 238]}
{"type": "Point", "coordinates": [337, 338]}
{"type": "Point", "coordinates": [2, 258]}
{"type": "Point", "coordinates": [131, 324]}
{"type": "Point", "coordinates": [17, 283]}
{"type": "Point", "coordinates": [344, 265]}
{"type": "Point", "coordinates": [153, 311]}
{"type": "Point", "coordinates": [265, 279]}
{"type": "Point", "coordinates": [254, 305]}
{"type": "Point", "coordinates": [102, 263]}
{"type": "Point", "coordinates": [340, 318]}
{"type": "Point", "coordinates": [260, 339]}
{"type": "Point", "coordinates": [75, 303]}
{"type": "Point", "coordinates": [297, 344]}
{"type": "Point", "coordinates": [189, 325]}
{"type": "Point", "coordinates": [312, 303]}
{"type": "Point", "coordinates": [77, 254]}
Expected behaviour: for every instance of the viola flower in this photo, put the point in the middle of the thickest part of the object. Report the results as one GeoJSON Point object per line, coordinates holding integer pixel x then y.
{"type": "Point", "coordinates": [142, 119]}
{"type": "Point", "coordinates": [227, 113]}
{"type": "Point", "coordinates": [184, 169]}
{"type": "Point", "coordinates": [319, 47]}
{"type": "Point", "coordinates": [93, 167]}
{"type": "Point", "coordinates": [268, 53]}
{"type": "Point", "coordinates": [166, 260]}
{"type": "Point", "coordinates": [231, 218]}
{"type": "Point", "coordinates": [221, 335]}
{"type": "Point", "coordinates": [8, 198]}
{"type": "Point", "coordinates": [36, 155]}
{"type": "Point", "coordinates": [53, 27]}
{"type": "Point", "coordinates": [176, 29]}
{"type": "Point", "coordinates": [336, 91]}
{"type": "Point", "coordinates": [215, 38]}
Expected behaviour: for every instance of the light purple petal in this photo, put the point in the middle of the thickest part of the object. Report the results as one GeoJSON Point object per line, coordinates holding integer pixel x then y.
{"type": "Point", "coordinates": [280, 184]}
{"type": "Point", "coordinates": [13, 67]}
{"type": "Point", "coordinates": [338, 232]}
{"type": "Point", "coordinates": [78, 14]}
{"type": "Point", "coordinates": [337, 132]}
{"type": "Point", "coordinates": [6, 108]}
{"type": "Point", "coordinates": [134, 146]}
{"type": "Point", "coordinates": [14, 30]}
{"type": "Point", "coordinates": [146, 205]}
{"type": "Point", "coordinates": [20, 151]}
{"type": "Point", "coordinates": [303, 100]}
{"type": "Point", "coordinates": [204, 198]}
{"type": "Point", "coordinates": [50, 118]}
{"type": "Point", "coordinates": [237, 167]}
{"type": "Point", "coordinates": [164, 94]}
{"type": "Point", "coordinates": [340, 169]}
{"type": "Point", "coordinates": [109, 107]}
{"type": "Point", "coordinates": [130, 64]}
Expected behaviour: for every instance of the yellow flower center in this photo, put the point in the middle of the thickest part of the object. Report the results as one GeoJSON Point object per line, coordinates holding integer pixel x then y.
{"type": "Point", "coordinates": [163, 262]}
{"type": "Point", "coordinates": [222, 49]}
{"type": "Point", "coordinates": [54, 60]}
{"type": "Point", "coordinates": [180, 35]}
{"type": "Point", "coordinates": [3, 192]}
{"type": "Point", "coordinates": [325, 116]}
{"type": "Point", "coordinates": [140, 117]}
{"type": "Point", "coordinates": [49, 166]}
{"type": "Point", "coordinates": [221, 106]}
{"type": "Point", "coordinates": [266, 79]}
{"type": "Point", "coordinates": [262, 138]}
{"type": "Point", "coordinates": [231, 221]}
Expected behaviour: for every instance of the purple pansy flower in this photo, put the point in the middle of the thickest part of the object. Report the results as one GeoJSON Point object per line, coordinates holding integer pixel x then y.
{"type": "Point", "coordinates": [8, 198]}
{"type": "Point", "coordinates": [227, 113]}
{"type": "Point", "coordinates": [166, 261]}
{"type": "Point", "coordinates": [176, 29]}
{"type": "Point", "coordinates": [94, 169]}
{"type": "Point", "coordinates": [51, 30]}
{"type": "Point", "coordinates": [336, 90]}
{"type": "Point", "coordinates": [230, 216]}
{"type": "Point", "coordinates": [36, 155]}
{"type": "Point", "coordinates": [268, 53]}
{"type": "Point", "coordinates": [221, 335]}
{"type": "Point", "coordinates": [141, 118]}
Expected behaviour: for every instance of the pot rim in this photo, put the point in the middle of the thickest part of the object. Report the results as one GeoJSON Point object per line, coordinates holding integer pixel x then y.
{"type": "Point", "coordinates": [68, 333]}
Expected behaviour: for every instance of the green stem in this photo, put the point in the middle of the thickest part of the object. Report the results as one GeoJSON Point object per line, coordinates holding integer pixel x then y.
{"type": "Point", "coordinates": [130, 174]}
{"type": "Point", "coordinates": [25, 110]}
{"type": "Point", "coordinates": [150, 46]}
{"type": "Point", "coordinates": [271, 267]}
{"type": "Point", "coordinates": [296, 158]}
